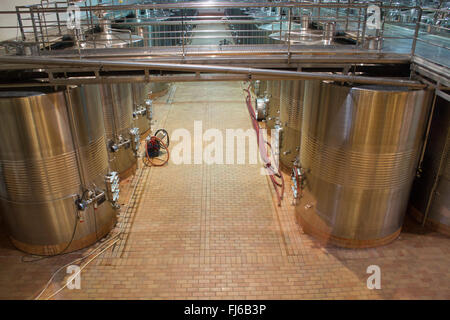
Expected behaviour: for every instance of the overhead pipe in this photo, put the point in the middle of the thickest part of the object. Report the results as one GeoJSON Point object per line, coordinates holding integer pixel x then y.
{"type": "Point", "coordinates": [130, 65]}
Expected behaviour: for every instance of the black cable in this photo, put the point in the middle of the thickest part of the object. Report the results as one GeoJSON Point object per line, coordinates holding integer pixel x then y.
{"type": "Point", "coordinates": [42, 257]}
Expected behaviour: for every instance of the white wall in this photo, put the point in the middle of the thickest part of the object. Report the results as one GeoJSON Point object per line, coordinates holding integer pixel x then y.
{"type": "Point", "coordinates": [11, 19]}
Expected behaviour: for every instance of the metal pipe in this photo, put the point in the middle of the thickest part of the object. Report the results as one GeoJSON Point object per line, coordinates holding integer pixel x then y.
{"type": "Point", "coordinates": [416, 32]}
{"type": "Point", "coordinates": [101, 64]}
{"type": "Point", "coordinates": [19, 20]}
{"type": "Point", "coordinates": [427, 133]}
{"type": "Point", "coordinates": [436, 181]}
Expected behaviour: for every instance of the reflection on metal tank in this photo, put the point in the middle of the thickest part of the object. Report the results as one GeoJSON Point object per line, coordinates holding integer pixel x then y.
{"type": "Point", "coordinates": [55, 151]}
{"type": "Point", "coordinates": [122, 138]}
{"type": "Point", "coordinates": [159, 89]}
{"type": "Point", "coordinates": [142, 106]}
{"type": "Point", "coordinates": [139, 24]}
{"type": "Point", "coordinates": [273, 107]}
{"type": "Point", "coordinates": [291, 108]}
{"type": "Point", "coordinates": [260, 88]}
{"type": "Point", "coordinates": [359, 153]}
{"type": "Point", "coordinates": [432, 188]}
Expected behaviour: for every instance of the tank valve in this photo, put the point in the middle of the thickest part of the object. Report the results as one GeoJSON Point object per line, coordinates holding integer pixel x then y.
{"type": "Point", "coordinates": [298, 180]}
{"type": "Point", "coordinates": [134, 139]}
{"type": "Point", "coordinates": [95, 198]}
{"type": "Point", "coordinates": [112, 187]}
{"type": "Point", "coordinates": [149, 108]}
{"type": "Point", "coordinates": [81, 204]}
{"type": "Point", "coordinates": [261, 108]}
{"type": "Point", "coordinates": [141, 110]}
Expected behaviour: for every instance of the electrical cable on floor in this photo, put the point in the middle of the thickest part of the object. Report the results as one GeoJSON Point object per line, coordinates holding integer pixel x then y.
{"type": "Point", "coordinates": [42, 257]}
{"type": "Point", "coordinates": [62, 252]}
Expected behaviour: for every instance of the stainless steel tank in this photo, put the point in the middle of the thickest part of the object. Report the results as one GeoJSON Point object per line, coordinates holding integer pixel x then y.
{"type": "Point", "coordinates": [122, 137]}
{"type": "Point", "coordinates": [291, 108]}
{"type": "Point", "coordinates": [273, 107]}
{"type": "Point", "coordinates": [432, 188]}
{"type": "Point", "coordinates": [107, 37]}
{"type": "Point", "coordinates": [55, 153]}
{"type": "Point", "coordinates": [305, 35]}
{"type": "Point", "coordinates": [142, 106]}
{"type": "Point", "coordinates": [359, 153]}
{"type": "Point", "coordinates": [139, 23]}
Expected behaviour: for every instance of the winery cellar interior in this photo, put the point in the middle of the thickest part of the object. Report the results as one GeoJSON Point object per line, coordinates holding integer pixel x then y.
{"type": "Point", "coordinates": [224, 149]}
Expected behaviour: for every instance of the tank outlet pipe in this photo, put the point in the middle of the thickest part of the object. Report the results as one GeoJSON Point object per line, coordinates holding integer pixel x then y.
{"type": "Point", "coordinates": [140, 111]}
{"type": "Point", "coordinates": [132, 142]}
{"type": "Point", "coordinates": [44, 62]}
{"type": "Point", "coordinates": [95, 198]}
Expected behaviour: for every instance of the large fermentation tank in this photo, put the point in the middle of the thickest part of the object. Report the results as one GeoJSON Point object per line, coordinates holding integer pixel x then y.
{"type": "Point", "coordinates": [121, 135]}
{"type": "Point", "coordinates": [359, 153]}
{"type": "Point", "coordinates": [273, 107]}
{"type": "Point", "coordinates": [302, 33]}
{"type": "Point", "coordinates": [432, 188]}
{"type": "Point", "coordinates": [142, 106]}
{"type": "Point", "coordinates": [55, 152]}
{"type": "Point", "coordinates": [104, 36]}
{"type": "Point", "coordinates": [291, 108]}
{"type": "Point", "coordinates": [109, 38]}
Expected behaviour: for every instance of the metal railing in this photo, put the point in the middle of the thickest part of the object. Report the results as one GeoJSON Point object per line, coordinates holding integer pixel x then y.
{"type": "Point", "coordinates": [41, 29]}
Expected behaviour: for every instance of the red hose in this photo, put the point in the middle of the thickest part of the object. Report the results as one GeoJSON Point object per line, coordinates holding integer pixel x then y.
{"type": "Point", "coordinates": [263, 150]}
{"type": "Point", "coordinates": [164, 147]}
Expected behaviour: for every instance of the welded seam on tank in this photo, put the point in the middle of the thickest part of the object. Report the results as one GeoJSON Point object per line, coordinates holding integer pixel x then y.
{"type": "Point", "coordinates": [357, 168]}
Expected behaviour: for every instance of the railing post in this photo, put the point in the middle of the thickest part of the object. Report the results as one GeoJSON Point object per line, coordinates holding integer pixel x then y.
{"type": "Point", "coordinates": [416, 31]}
{"type": "Point", "coordinates": [19, 20]}
{"type": "Point", "coordinates": [318, 12]}
{"type": "Point", "coordinates": [363, 35]}
{"type": "Point", "coordinates": [349, 2]}
{"type": "Point", "coordinates": [281, 23]}
{"type": "Point", "coordinates": [57, 18]}
{"type": "Point", "coordinates": [182, 29]}
{"type": "Point", "coordinates": [289, 35]}
{"type": "Point", "coordinates": [359, 27]}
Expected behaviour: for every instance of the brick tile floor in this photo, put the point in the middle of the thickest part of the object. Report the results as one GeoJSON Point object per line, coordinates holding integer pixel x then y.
{"type": "Point", "coordinates": [197, 231]}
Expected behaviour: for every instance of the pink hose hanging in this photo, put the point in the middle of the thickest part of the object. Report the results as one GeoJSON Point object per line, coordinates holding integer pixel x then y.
{"type": "Point", "coordinates": [263, 151]}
